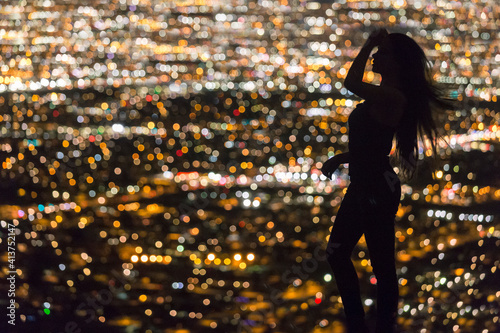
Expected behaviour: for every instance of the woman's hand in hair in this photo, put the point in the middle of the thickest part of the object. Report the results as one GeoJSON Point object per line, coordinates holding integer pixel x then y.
{"type": "Point", "coordinates": [376, 37]}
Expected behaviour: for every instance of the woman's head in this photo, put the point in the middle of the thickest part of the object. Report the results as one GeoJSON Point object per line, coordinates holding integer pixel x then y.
{"type": "Point", "coordinates": [401, 57]}
{"type": "Point", "coordinates": [384, 59]}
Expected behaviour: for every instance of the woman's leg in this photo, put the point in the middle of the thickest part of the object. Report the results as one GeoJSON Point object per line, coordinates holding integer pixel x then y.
{"type": "Point", "coordinates": [380, 239]}
{"type": "Point", "coordinates": [346, 231]}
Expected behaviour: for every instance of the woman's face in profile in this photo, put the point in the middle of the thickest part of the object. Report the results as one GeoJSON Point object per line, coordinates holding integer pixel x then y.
{"type": "Point", "coordinates": [384, 60]}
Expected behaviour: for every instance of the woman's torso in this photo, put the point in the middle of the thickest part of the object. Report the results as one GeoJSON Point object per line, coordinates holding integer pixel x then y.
{"type": "Point", "coordinates": [371, 174]}
{"type": "Point", "coordinates": [370, 144]}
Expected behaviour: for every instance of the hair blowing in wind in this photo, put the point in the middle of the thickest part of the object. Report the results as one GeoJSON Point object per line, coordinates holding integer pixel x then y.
{"type": "Point", "coordinates": [423, 98]}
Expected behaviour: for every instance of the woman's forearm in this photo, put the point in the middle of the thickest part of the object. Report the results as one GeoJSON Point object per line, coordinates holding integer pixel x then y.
{"type": "Point", "coordinates": [355, 74]}
{"type": "Point", "coordinates": [344, 158]}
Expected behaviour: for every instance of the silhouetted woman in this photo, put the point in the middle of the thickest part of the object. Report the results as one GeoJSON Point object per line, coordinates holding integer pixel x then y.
{"type": "Point", "coordinates": [399, 107]}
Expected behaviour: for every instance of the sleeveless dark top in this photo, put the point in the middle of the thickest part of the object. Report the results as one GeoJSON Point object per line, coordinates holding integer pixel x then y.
{"type": "Point", "coordinates": [370, 144]}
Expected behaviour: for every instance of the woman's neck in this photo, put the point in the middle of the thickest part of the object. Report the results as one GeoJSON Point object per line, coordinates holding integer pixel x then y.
{"type": "Point", "coordinates": [390, 81]}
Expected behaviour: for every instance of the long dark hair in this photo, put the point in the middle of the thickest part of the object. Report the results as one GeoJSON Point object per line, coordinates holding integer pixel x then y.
{"type": "Point", "coordinates": [423, 98]}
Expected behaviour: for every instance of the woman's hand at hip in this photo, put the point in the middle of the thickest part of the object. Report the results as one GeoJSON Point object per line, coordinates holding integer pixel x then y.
{"type": "Point", "coordinates": [331, 165]}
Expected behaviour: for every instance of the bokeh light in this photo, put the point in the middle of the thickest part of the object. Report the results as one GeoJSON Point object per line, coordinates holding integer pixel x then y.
{"type": "Point", "coordinates": [161, 164]}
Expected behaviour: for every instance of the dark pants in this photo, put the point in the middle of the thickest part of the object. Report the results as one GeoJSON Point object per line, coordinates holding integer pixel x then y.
{"type": "Point", "coordinates": [368, 208]}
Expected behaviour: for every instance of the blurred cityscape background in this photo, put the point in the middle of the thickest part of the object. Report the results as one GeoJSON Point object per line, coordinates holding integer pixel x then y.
{"type": "Point", "coordinates": [160, 164]}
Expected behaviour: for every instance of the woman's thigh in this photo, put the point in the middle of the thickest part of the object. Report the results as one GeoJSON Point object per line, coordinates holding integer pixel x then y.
{"type": "Point", "coordinates": [382, 198]}
{"type": "Point", "coordinates": [379, 225]}
{"type": "Point", "coordinates": [380, 240]}
{"type": "Point", "coordinates": [347, 227]}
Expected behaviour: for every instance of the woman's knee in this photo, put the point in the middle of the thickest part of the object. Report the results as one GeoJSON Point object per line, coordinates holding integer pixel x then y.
{"type": "Point", "coordinates": [336, 255]}
{"type": "Point", "coordinates": [386, 275]}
